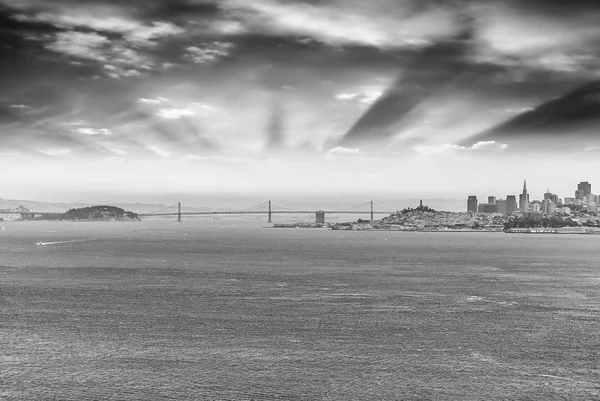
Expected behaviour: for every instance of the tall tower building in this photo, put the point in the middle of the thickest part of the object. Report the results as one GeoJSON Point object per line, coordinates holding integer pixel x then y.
{"type": "Point", "coordinates": [511, 204]}
{"type": "Point", "coordinates": [472, 204]}
{"type": "Point", "coordinates": [524, 198]}
{"type": "Point", "coordinates": [585, 187]}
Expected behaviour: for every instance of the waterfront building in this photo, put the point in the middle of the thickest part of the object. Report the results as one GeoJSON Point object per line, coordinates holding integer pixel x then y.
{"type": "Point", "coordinates": [548, 206]}
{"type": "Point", "coordinates": [472, 204]}
{"type": "Point", "coordinates": [511, 204]}
{"type": "Point", "coordinates": [524, 199]}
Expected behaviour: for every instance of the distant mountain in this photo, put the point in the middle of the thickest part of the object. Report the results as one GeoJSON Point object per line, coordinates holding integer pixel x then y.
{"type": "Point", "coordinates": [572, 121]}
{"type": "Point", "coordinates": [38, 206]}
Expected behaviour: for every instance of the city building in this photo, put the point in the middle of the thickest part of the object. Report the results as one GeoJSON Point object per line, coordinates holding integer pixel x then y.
{"type": "Point", "coordinates": [501, 206]}
{"type": "Point", "coordinates": [511, 204]}
{"type": "Point", "coordinates": [550, 196]}
{"type": "Point", "coordinates": [491, 200]}
{"type": "Point", "coordinates": [489, 208]}
{"type": "Point", "coordinates": [591, 198]}
{"type": "Point", "coordinates": [579, 195]}
{"type": "Point", "coordinates": [585, 187]}
{"type": "Point", "coordinates": [524, 199]}
{"type": "Point", "coordinates": [548, 206]}
{"type": "Point", "coordinates": [472, 204]}
{"type": "Point", "coordinates": [481, 208]}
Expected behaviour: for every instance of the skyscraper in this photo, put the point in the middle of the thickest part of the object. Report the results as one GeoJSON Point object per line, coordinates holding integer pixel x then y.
{"type": "Point", "coordinates": [550, 196]}
{"type": "Point", "coordinates": [491, 200]}
{"type": "Point", "coordinates": [511, 204]}
{"type": "Point", "coordinates": [586, 187]}
{"type": "Point", "coordinates": [524, 198]}
{"type": "Point", "coordinates": [501, 206]}
{"type": "Point", "coordinates": [472, 204]}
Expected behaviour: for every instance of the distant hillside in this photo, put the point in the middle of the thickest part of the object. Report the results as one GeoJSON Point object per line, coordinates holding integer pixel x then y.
{"type": "Point", "coordinates": [50, 207]}
{"type": "Point", "coordinates": [104, 213]}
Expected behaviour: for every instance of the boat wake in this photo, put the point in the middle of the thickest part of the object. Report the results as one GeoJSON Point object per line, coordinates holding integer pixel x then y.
{"type": "Point", "coordinates": [40, 243]}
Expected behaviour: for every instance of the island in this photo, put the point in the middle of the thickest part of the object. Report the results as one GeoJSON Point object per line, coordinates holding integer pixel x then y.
{"type": "Point", "coordinates": [100, 213]}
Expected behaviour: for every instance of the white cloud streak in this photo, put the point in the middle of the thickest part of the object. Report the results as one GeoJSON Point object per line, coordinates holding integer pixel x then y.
{"type": "Point", "coordinates": [384, 24]}
{"type": "Point", "coordinates": [208, 53]}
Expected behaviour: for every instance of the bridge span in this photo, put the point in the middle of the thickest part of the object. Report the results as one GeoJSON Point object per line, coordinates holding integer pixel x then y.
{"type": "Point", "coordinates": [266, 208]}
{"type": "Point", "coordinates": [319, 214]}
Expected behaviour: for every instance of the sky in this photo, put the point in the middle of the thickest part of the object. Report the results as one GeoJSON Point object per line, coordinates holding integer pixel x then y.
{"type": "Point", "coordinates": [148, 100]}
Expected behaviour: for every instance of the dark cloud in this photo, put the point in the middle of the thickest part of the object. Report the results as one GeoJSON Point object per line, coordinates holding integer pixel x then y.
{"type": "Point", "coordinates": [421, 77]}
{"type": "Point", "coordinates": [569, 121]}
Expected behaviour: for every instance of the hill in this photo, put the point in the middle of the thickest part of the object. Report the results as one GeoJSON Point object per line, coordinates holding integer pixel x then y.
{"type": "Point", "coordinates": [104, 213]}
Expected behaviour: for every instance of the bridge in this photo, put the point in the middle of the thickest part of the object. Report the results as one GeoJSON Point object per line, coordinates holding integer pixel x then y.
{"type": "Point", "coordinates": [270, 208]}
{"type": "Point", "coordinates": [267, 208]}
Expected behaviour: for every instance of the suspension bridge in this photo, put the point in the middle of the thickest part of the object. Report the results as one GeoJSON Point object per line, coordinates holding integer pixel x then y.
{"type": "Point", "coordinates": [270, 208]}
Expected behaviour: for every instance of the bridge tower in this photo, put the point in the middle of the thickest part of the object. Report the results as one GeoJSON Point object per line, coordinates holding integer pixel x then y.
{"type": "Point", "coordinates": [371, 210]}
{"type": "Point", "coordinates": [179, 212]}
{"type": "Point", "coordinates": [270, 220]}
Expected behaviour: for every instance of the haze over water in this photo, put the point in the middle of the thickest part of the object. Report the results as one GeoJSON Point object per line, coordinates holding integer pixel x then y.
{"type": "Point", "coordinates": [211, 310]}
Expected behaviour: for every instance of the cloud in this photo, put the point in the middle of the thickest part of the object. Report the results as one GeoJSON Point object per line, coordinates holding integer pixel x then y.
{"type": "Point", "coordinates": [339, 150]}
{"type": "Point", "coordinates": [365, 95]}
{"type": "Point", "coordinates": [531, 36]}
{"type": "Point", "coordinates": [384, 24]}
{"type": "Point", "coordinates": [118, 72]}
{"type": "Point", "coordinates": [99, 48]}
{"type": "Point", "coordinates": [147, 35]}
{"type": "Point", "coordinates": [157, 100]}
{"type": "Point", "coordinates": [209, 53]}
{"type": "Point", "coordinates": [370, 96]}
{"type": "Point", "coordinates": [93, 131]}
{"type": "Point", "coordinates": [483, 146]}
{"type": "Point", "coordinates": [87, 45]}
{"type": "Point", "coordinates": [132, 30]}
{"type": "Point", "coordinates": [346, 96]}
{"type": "Point", "coordinates": [174, 114]}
